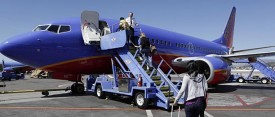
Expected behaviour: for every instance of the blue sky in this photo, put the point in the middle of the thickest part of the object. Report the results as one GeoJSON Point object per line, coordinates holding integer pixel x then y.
{"type": "Point", "coordinates": [206, 19]}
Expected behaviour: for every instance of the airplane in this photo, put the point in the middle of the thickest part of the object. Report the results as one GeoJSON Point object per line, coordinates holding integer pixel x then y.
{"type": "Point", "coordinates": [60, 47]}
{"type": "Point", "coordinates": [11, 65]}
{"type": "Point", "coordinates": [14, 70]}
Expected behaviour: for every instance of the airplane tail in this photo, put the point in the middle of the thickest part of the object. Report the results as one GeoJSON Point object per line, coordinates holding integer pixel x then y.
{"type": "Point", "coordinates": [227, 37]}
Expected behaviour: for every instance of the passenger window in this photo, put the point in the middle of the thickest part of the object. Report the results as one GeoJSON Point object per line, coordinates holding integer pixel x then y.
{"type": "Point", "coordinates": [157, 41]}
{"type": "Point", "coordinates": [64, 29]}
{"type": "Point", "coordinates": [153, 41]}
{"type": "Point", "coordinates": [53, 28]}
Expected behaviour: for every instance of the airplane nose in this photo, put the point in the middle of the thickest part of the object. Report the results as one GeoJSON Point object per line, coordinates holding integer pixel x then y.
{"type": "Point", "coordinates": [6, 48]}
{"type": "Point", "coordinates": [15, 47]}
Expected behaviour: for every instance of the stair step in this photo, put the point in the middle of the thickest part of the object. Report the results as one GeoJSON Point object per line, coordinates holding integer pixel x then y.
{"type": "Point", "coordinates": [144, 66]}
{"type": "Point", "coordinates": [171, 99]}
{"type": "Point", "coordinates": [138, 60]}
{"type": "Point", "coordinates": [148, 72]}
{"type": "Point", "coordinates": [154, 78]}
{"type": "Point", "coordinates": [132, 51]}
{"type": "Point", "coordinates": [166, 93]}
{"type": "Point", "coordinates": [158, 82]}
{"type": "Point", "coordinates": [164, 88]}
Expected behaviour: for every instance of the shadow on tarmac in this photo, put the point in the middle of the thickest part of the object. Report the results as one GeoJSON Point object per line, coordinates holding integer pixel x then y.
{"type": "Point", "coordinates": [66, 94]}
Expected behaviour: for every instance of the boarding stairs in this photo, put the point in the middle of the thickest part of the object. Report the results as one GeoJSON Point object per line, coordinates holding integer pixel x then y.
{"type": "Point", "coordinates": [129, 62]}
{"type": "Point", "coordinates": [264, 69]}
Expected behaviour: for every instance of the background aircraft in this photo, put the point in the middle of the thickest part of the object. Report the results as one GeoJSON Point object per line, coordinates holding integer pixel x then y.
{"type": "Point", "coordinates": [58, 46]}
{"type": "Point", "coordinates": [13, 70]}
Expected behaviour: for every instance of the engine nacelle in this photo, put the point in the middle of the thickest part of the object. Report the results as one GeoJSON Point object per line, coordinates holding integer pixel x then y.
{"type": "Point", "coordinates": [216, 69]}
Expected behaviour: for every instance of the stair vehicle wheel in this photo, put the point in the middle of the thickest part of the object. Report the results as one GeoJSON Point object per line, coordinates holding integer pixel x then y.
{"type": "Point", "coordinates": [79, 88]}
{"type": "Point", "coordinates": [45, 93]}
{"type": "Point", "coordinates": [99, 93]}
{"type": "Point", "coordinates": [240, 80]}
{"type": "Point", "coordinates": [264, 80]}
{"type": "Point", "coordinates": [141, 101]}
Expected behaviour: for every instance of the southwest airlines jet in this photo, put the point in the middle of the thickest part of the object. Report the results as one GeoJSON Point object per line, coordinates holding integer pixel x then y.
{"type": "Point", "coordinates": [60, 47]}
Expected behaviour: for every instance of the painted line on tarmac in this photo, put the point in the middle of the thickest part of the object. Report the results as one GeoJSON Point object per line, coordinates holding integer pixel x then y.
{"type": "Point", "coordinates": [240, 109]}
{"type": "Point", "coordinates": [149, 113]}
{"type": "Point", "coordinates": [207, 114]}
{"type": "Point", "coordinates": [241, 100]}
{"type": "Point", "coordinates": [68, 108]}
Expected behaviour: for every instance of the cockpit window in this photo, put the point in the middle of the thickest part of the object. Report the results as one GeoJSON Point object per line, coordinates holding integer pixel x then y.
{"type": "Point", "coordinates": [53, 28]}
{"type": "Point", "coordinates": [41, 28]}
{"type": "Point", "coordinates": [64, 29]}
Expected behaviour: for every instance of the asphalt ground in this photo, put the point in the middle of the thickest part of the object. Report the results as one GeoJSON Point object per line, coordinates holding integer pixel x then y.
{"type": "Point", "coordinates": [226, 100]}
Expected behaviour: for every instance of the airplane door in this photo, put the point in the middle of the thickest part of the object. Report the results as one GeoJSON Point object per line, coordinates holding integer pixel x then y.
{"type": "Point", "coordinates": [191, 48]}
{"type": "Point", "coordinates": [89, 27]}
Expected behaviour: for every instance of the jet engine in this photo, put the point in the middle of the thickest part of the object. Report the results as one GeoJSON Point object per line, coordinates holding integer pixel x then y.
{"type": "Point", "coordinates": [216, 70]}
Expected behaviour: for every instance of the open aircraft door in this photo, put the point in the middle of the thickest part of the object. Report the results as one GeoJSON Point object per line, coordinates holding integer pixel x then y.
{"type": "Point", "coordinates": [89, 27]}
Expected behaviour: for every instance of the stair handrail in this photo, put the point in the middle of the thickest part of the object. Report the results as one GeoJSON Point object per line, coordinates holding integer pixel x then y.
{"type": "Point", "coordinates": [176, 91]}
{"type": "Point", "coordinates": [168, 64]}
{"type": "Point", "coordinates": [270, 70]}
{"type": "Point", "coordinates": [262, 61]}
{"type": "Point", "coordinates": [124, 70]}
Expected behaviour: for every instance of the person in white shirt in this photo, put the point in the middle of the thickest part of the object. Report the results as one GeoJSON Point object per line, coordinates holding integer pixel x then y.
{"type": "Point", "coordinates": [131, 20]}
{"type": "Point", "coordinates": [193, 90]}
{"type": "Point", "coordinates": [132, 23]}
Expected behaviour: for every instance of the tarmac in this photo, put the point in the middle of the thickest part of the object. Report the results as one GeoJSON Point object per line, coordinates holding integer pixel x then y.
{"type": "Point", "coordinates": [226, 100]}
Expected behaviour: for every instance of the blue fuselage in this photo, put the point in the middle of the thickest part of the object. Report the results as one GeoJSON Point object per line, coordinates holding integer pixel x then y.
{"type": "Point", "coordinates": [66, 52]}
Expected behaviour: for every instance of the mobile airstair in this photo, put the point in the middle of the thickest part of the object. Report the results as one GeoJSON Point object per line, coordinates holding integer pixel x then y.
{"type": "Point", "coordinates": [262, 67]}
{"type": "Point", "coordinates": [130, 77]}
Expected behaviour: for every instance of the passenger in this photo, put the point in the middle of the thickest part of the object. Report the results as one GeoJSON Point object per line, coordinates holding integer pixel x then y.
{"type": "Point", "coordinates": [123, 25]}
{"type": "Point", "coordinates": [144, 45]}
{"type": "Point", "coordinates": [132, 22]}
{"type": "Point", "coordinates": [194, 86]}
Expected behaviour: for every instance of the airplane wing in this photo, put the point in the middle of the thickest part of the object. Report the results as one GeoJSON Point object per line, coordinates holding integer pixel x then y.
{"type": "Point", "coordinates": [234, 57]}
{"type": "Point", "coordinates": [15, 68]}
{"type": "Point", "coordinates": [236, 51]}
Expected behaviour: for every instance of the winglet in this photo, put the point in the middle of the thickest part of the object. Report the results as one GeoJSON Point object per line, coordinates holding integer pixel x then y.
{"type": "Point", "coordinates": [227, 38]}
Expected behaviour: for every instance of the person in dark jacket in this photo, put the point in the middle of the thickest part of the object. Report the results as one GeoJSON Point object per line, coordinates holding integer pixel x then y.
{"type": "Point", "coordinates": [144, 45]}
